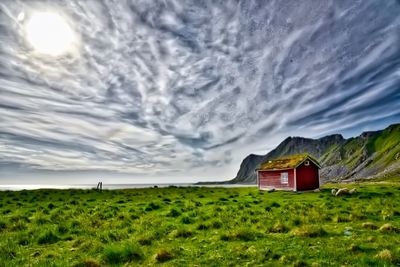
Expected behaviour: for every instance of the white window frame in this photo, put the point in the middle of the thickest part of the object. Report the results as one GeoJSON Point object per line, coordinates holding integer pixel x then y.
{"type": "Point", "coordinates": [284, 177]}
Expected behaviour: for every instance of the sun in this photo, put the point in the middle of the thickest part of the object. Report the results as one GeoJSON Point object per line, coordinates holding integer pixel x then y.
{"type": "Point", "coordinates": [49, 33]}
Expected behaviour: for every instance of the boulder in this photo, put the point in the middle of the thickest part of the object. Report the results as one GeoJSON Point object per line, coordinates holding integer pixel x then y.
{"type": "Point", "coordinates": [342, 192]}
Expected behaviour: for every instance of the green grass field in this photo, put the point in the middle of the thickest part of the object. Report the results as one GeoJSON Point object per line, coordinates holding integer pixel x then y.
{"type": "Point", "coordinates": [201, 227]}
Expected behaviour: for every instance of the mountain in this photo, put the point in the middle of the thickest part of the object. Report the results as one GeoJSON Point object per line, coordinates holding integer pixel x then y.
{"type": "Point", "coordinates": [371, 154]}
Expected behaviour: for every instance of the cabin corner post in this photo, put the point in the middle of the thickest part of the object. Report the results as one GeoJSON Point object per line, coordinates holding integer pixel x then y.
{"type": "Point", "coordinates": [258, 180]}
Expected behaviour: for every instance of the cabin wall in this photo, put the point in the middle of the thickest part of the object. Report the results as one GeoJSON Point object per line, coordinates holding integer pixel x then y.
{"type": "Point", "coordinates": [272, 179]}
{"type": "Point", "coordinates": [307, 177]}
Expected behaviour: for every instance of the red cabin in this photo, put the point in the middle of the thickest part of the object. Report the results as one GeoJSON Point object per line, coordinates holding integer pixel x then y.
{"type": "Point", "coordinates": [293, 173]}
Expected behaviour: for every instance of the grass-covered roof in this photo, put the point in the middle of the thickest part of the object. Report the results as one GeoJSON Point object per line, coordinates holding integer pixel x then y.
{"type": "Point", "coordinates": [287, 162]}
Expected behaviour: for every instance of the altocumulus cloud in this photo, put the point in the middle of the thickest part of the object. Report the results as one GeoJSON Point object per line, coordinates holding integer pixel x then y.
{"type": "Point", "coordinates": [190, 87]}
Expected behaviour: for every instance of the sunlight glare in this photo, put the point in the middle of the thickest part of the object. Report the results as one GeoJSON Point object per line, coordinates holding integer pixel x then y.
{"type": "Point", "coordinates": [49, 33]}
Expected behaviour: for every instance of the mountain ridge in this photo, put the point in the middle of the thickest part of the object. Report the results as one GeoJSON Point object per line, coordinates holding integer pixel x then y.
{"type": "Point", "coordinates": [371, 154]}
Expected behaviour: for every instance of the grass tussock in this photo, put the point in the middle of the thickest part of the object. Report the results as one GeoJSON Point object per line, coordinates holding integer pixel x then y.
{"type": "Point", "coordinates": [174, 212]}
{"type": "Point", "coordinates": [48, 237]}
{"type": "Point", "coordinates": [164, 255]}
{"type": "Point", "coordinates": [370, 225]}
{"type": "Point", "coordinates": [309, 231]}
{"type": "Point", "coordinates": [182, 232]}
{"type": "Point", "coordinates": [3, 226]}
{"type": "Point", "coordinates": [355, 248]}
{"type": "Point", "coordinates": [385, 255]}
{"type": "Point", "coordinates": [88, 263]}
{"type": "Point", "coordinates": [278, 228]}
{"type": "Point", "coordinates": [122, 253]}
{"type": "Point", "coordinates": [145, 240]}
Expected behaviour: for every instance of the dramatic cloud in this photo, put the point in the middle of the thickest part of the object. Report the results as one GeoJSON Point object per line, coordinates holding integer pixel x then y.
{"type": "Point", "coordinates": [188, 88]}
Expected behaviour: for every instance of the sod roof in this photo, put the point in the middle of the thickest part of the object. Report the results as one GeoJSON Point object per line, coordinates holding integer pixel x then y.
{"type": "Point", "coordinates": [288, 162]}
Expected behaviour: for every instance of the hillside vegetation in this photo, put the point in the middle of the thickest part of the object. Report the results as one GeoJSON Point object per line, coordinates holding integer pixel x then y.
{"type": "Point", "coordinates": [370, 155]}
{"type": "Point", "coordinates": [201, 227]}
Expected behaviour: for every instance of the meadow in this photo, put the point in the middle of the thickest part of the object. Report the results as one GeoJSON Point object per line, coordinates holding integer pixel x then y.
{"type": "Point", "coordinates": [199, 226]}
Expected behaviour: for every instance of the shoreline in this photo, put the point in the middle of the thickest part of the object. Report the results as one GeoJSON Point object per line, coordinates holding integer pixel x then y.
{"type": "Point", "coordinates": [29, 187]}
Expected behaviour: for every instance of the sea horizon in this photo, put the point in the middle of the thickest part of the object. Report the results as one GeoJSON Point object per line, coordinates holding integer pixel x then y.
{"type": "Point", "coordinates": [106, 186]}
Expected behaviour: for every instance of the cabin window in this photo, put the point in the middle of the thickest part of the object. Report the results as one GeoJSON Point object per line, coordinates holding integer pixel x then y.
{"type": "Point", "coordinates": [284, 177]}
{"type": "Point", "coordinates": [307, 162]}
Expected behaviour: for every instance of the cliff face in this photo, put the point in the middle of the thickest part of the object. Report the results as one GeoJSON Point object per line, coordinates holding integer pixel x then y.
{"type": "Point", "coordinates": [368, 155]}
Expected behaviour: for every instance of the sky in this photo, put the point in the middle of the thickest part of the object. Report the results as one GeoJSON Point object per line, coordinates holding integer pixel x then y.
{"type": "Point", "coordinates": [181, 91]}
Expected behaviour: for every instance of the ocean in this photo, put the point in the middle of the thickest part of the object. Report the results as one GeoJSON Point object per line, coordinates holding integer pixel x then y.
{"type": "Point", "coordinates": [18, 187]}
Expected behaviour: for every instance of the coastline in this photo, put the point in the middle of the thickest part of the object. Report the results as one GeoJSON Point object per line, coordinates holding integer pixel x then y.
{"type": "Point", "coordinates": [21, 187]}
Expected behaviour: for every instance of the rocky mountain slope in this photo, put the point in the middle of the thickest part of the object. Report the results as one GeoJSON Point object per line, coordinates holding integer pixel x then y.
{"type": "Point", "coordinates": [372, 154]}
